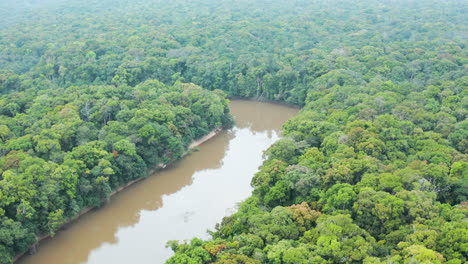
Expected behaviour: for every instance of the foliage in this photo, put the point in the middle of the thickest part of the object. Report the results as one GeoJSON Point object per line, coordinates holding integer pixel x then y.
{"type": "Point", "coordinates": [82, 142]}
{"type": "Point", "coordinates": [373, 169]}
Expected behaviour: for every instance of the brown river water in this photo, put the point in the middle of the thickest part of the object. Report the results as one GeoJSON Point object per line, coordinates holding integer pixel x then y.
{"type": "Point", "coordinates": [178, 203]}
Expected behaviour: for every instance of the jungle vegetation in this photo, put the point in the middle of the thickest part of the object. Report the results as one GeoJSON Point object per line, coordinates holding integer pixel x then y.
{"type": "Point", "coordinates": [374, 168]}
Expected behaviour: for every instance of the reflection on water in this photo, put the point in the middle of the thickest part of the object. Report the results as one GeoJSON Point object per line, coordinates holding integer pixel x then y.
{"type": "Point", "coordinates": [180, 202]}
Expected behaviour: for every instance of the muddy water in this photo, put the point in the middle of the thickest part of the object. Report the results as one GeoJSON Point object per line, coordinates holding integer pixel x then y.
{"type": "Point", "coordinates": [178, 203]}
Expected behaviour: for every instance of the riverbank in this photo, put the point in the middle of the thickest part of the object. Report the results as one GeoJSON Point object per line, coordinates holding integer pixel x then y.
{"type": "Point", "coordinates": [151, 172]}
{"type": "Point", "coordinates": [205, 138]}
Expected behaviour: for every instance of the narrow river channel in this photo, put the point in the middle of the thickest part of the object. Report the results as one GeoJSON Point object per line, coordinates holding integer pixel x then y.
{"type": "Point", "coordinates": [184, 200]}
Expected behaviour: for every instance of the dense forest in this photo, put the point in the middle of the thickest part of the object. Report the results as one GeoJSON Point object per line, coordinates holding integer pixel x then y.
{"type": "Point", "coordinates": [67, 147]}
{"type": "Point", "coordinates": [374, 169]}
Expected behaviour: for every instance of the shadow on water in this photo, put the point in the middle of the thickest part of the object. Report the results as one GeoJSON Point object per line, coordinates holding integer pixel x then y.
{"type": "Point", "coordinates": [261, 116]}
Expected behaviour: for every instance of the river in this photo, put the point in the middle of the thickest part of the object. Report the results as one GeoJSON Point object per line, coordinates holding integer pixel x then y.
{"type": "Point", "coordinates": [178, 203]}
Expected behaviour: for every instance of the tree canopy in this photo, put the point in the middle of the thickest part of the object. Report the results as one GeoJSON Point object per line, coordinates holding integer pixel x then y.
{"type": "Point", "coordinates": [372, 170]}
